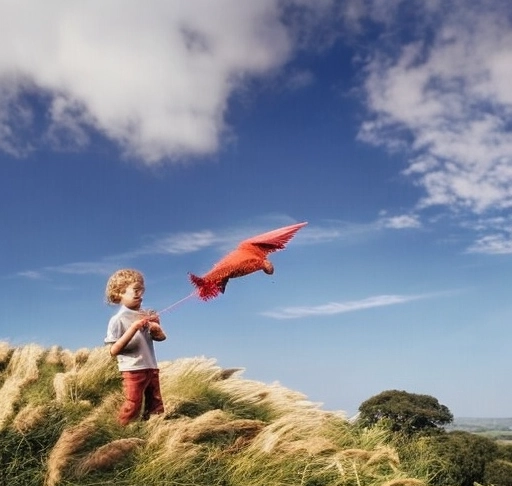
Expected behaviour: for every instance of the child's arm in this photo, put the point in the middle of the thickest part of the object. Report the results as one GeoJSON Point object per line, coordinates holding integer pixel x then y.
{"type": "Point", "coordinates": [121, 343]}
{"type": "Point", "coordinates": [156, 332]}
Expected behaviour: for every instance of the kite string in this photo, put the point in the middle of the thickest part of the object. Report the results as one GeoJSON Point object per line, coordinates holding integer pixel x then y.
{"type": "Point", "coordinates": [167, 309]}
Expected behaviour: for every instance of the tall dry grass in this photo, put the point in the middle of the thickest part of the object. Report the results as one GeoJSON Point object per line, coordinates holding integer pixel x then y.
{"type": "Point", "coordinates": [67, 359]}
{"type": "Point", "coordinates": [193, 450]}
{"type": "Point", "coordinates": [75, 439]}
{"type": "Point", "coordinates": [220, 429]}
{"type": "Point", "coordinates": [319, 447]}
{"type": "Point", "coordinates": [23, 368]}
{"type": "Point", "coordinates": [89, 368]}
{"type": "Point", "coordinates": [29, 417]}
{"type": "Point", "coordinates": [53, 356]}
{"type": "Point", "coordinates": [108, 456]}
{"type": "Point", "coordinates": [69, 443]}
{"type": "Point", "coordinates": [5, 352]}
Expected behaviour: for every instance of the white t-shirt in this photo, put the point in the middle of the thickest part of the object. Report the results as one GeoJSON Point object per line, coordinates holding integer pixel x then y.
{"type": "Point", "coordinates": [139, 353]}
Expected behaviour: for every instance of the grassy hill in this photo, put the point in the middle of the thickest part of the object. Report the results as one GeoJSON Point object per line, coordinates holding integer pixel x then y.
{"type": "Point", "coordinates": [58, 427]}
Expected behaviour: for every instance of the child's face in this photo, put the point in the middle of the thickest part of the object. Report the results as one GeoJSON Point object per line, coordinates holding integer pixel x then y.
{"type": "Point", "coordinates": [132, 296]}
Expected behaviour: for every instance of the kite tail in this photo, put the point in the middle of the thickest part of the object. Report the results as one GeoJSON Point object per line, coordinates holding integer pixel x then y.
{"type": "Point", "coordinates": [206, 288]}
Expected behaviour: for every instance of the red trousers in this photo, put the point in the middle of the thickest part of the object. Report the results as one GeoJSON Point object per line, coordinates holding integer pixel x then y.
{"type": "Point", "coordinates": [140, 387]}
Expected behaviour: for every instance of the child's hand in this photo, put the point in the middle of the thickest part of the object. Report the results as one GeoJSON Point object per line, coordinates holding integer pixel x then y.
{"type": "Point", "coordinates": [154, 326]}
{"type": "Point", "coordinates": [149, 319]}
{"type": "Point", "coordinates": [156, 332]}
{"type": "Point", "coordinates": [140, 324]}
{"type": "Point", "coordinates": [150, 316]}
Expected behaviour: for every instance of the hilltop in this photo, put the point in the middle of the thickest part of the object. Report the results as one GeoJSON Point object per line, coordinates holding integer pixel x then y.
{"type": "Point", "coordinates": [58, 427]}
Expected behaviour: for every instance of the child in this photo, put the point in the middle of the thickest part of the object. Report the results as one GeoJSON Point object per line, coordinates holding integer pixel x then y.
{"type": "Point", "coordinates": [131, 334]}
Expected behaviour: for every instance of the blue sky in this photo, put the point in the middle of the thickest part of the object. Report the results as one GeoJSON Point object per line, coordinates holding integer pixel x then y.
{"type": "Point", "coordinates": [158, 137]}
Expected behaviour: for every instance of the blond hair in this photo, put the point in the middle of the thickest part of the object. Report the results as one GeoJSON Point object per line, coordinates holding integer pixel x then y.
{"type": "Point", "coordinates": [119, 282]}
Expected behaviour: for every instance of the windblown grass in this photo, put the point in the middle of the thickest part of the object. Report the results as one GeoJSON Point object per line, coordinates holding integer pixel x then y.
{"type": "Point", "coordinates": [108, 456]}
{"type": "Point", "coordinates": [21, 370]}
{"type": "Point", "coordinates": [219, 430]}
{"type": "Point", "coordinates": [29, 417]}
{"type": "Point", "coordinates": [5, 354]}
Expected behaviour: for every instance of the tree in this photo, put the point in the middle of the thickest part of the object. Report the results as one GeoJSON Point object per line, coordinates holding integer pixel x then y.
{"type": "Point", "coordinates": [404, 412]}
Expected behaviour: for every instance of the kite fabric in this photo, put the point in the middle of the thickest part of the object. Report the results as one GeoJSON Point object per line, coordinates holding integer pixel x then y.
{"type": "Point", "coordinates": [250, 256]}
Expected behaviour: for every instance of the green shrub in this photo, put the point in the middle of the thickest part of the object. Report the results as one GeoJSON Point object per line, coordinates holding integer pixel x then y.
{"type": "Point", "coordinates": [463, 457]}
{"type": "Point", "coordinates": [498, 473]}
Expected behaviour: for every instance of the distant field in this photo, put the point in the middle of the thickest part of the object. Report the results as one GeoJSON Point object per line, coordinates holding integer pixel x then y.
{"type": "Point", "coordinates": [495, 428]}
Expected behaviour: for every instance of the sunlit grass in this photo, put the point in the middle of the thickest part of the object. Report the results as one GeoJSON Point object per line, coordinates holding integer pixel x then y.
{"type": "Point", "coordinates": [59, 428]}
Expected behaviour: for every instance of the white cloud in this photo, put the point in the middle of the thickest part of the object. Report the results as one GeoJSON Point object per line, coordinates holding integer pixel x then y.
{"type": "Point", "coordinates": [340, 307]}
{"type": "Point", "coordinates": [446, 97]}
{"type": "Point", "coordinates": [226, 240]}
{"type": "Point", "coordinates": [495, 244]}
{"type": "Point", "coordinates": [401, 222]}
{"type": "Point", "coordinates": [339, 231]}
{"type": "Point", "coordinates": [15, 117]}
{"type": "Point", "coordinates": [300, 80]}
{"type": "Point", "coordinates": [314, 233]}
{"type": "Point", "coordinates": [84, 268]}
{"type": "Point", "coordinates": [180, 243]}
{"type": "Point", "coordinates": [153, 77]}
{"type": "Point", "coordinates": [31, 274]}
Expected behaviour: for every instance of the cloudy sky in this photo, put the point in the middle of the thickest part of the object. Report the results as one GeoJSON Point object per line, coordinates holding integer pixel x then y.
{"type": "Point", "coordinates": [159, 135]}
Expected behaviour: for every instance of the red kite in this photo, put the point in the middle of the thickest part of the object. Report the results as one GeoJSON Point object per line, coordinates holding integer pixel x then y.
{"type": "Point", "coordinates": [250, 256]}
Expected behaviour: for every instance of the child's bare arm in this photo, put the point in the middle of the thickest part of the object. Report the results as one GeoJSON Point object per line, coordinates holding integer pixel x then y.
{"type": "Point", "coordinates": [121, 343]}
